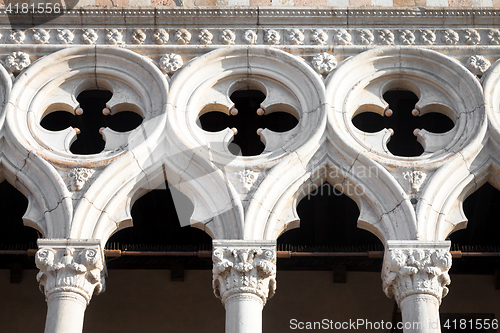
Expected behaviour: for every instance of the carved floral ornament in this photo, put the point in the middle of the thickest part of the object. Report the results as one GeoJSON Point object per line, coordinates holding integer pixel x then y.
{"type": "Point", "coordinates": [75, 269]}
{"type": "Point", "coordinates": [170, 63]}
{"type": "Point", "coordinates": [244, 180]}
{"type": "Point", "coordinates": [89, 36]}
{"type": "Point", "coordinates": [415, 179]}
{"type": "Point", "coordinates": [324, 63]}
{"type": "Point", "coordinates": [238, 270]}
{"type": "Point", "coordinates": [227, 37]}
{"type": "Point", "coordinates": [138, 36]}
{"type": "Point", "coordinates": [478, 64]}
{"type": "Point", "coordinates": [40, 36]}
{"type": "Point", "coordinates": [324, 35]}
{"type": "Point", "coordinates": [65, 36]}
{"type": "Point", "coordinates": [77, 177]}
{"type": "Point", "coordinates": [17, 61]}
{"type": "Point", "coordinates": [409, 271]}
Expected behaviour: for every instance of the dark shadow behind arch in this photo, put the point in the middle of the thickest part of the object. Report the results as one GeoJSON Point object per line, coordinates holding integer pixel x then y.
{"type": "Point", "coordinates": [482, 209]}
{"type": "Point", "coordinates": [14, 235]}
{"type": "Point", "coordinates": [156, 228]}
{"type": "Point", "coordinates": [328, 223]}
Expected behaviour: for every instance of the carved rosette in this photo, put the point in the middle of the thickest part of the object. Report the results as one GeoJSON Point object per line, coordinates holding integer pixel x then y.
{"type": "Point", "coordinates": [205, 37]}
{"type": "Point", "coordinates": [428, 36]}
{"type": "Point", "coordinates": [472, 36]}
{"type": "Point", "coordinates": [160, 36]}
{"type": "Point", "coordinates": [170, 62]}
{"type": "Point", "coordinates": [244, 269]}
{"type": "Point", "coordinates": [182, 36]}
{"type": "Point", "coordinates": [386, 37]}
{"type": "Point", "coordinates": [295, 36]}
{"type": "Point", "coordinates": [65, 36]}
{"type": "Point", "coordinates": [409, 271]}
{"type": "Point", "coordinates": [114, 36]}
{"type": "Point", "coordinates": [342, 37]}
{"type": "Point", "coordinates": [319, 37]}
{"type": "Point", "coordinates": [450, 37]}
{"type": "Point", "coordinates": [478, 64]}
{"type": "Point", "coordinates": [17, 36]}
{"type": "Point", "coordinates": [227, 37]}
{"type": "Point", "coordinates": [407, 37]}
{"type": "Point", "coordinates": [70, 267]}
{"type": "Point", "coordinates": [89, 36]}
{"type": "Point", "coordinates": [250, 37]}
{"type": "Point", "coordinates": [17, 61]}
{"type": "Point", "coordinates": [324, 63]}
{"type": "Point", "coordinates": [494, 36]}
{"type": "Point", "coordinates": [40, 36]}
{"type": "Point", "coordinates": [244, 180]}
{"type": "Point", "coordinates": [272, 37]}
{"type": "Point", "coordinates": [138, 36]}
{"type": "Point", "coordinates": [366, 37]}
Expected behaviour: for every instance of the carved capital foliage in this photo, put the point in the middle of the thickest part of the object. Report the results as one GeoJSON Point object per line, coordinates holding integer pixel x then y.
{"type": "Point", "coordinates": [416, 269]}
{"type": "Point", "coordinates": [70, 266]}
{"type": "Point", "coordinates": [243, 267]}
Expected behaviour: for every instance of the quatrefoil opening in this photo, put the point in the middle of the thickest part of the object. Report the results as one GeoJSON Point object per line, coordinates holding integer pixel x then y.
{"type": "Point", "coordinates": [100, 120]}
{"type": "Point", "coordinates": [441, 85]}
{"type": "Point", "coordinates": [256, 120]}
{"type": "Point", "coordinates": [404, 118]}
{"type": "Point", "coordinates": [406, 121]}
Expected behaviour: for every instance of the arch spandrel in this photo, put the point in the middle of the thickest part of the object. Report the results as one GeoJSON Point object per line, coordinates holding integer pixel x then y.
{"type": "Point", "coordinates": [255, 184]}
{"type": "Point", "coordinates": [77, 189]}
{"type": "Point", "coordinates": [419, 186]}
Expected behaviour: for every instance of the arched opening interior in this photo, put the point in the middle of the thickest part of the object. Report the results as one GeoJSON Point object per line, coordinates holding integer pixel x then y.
{"type": "Point", "coordinates": [158, 234]}
{"type": "Point", "coordinates": [328, 224]}
{"type": "Point", "coordinates": [15, 237]}
{"type": "Point", "coordinates": [481, 235]}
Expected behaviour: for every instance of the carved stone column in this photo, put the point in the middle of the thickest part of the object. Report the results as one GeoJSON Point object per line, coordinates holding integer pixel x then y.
{"type": "Point", "coordinates": [244, 278]}
{"type": "Point", "coordinates": [70, 272]}
{"type": "Point", "coordinates": [416, 274]}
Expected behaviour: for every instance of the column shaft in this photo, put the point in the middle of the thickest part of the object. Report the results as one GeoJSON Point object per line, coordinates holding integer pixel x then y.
{"type": "Point", "coordinates": [420, 313]}
{"type": "Point", "coordinates": [65, 313]}
{"type": "Point", "coordinates": [244, 313]}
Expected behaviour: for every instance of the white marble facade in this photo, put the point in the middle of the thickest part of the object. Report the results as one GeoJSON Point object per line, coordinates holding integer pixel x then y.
{"type": "Point", "coordinates": [321, 65]}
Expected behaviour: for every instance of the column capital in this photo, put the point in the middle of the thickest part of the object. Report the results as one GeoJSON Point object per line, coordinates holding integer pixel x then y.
{"type": "Point", "coordinates": [70, 266]}
{"type": "Point", "coordinates": [416, 267]}
{"type": "Point", "coordinates": [244, 267]}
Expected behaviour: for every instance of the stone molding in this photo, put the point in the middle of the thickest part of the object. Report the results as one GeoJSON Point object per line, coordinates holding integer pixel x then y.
{"type": "Point", "coordinates": [75, 266]}
{"type": "Point", "coordinates": [244, 267]}
{"type": "Point", "coordinates": [416, 267]}
{"type": "Point", "coordinates": [134, 36]}
{"type": "Point", "coordinates": [263, 11]}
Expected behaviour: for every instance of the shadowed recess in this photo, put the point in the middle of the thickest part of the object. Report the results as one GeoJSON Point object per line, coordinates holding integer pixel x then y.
{"type": "Point", "coordinates": [247, 122]}
{"type": "Point", "coordinates": [403, 142]}
{"type": "Point", "coordinates": [156, 222]}
{"type": "Point", "coordinates": [328, 219]}
{"type": "Point", "coordinates": [90, 141]}
{"type": "Point", "coordinates": [12, 230]}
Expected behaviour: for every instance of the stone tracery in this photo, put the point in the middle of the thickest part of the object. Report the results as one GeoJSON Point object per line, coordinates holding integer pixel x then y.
{"type": "Point", "coordinates": [289, 161]}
